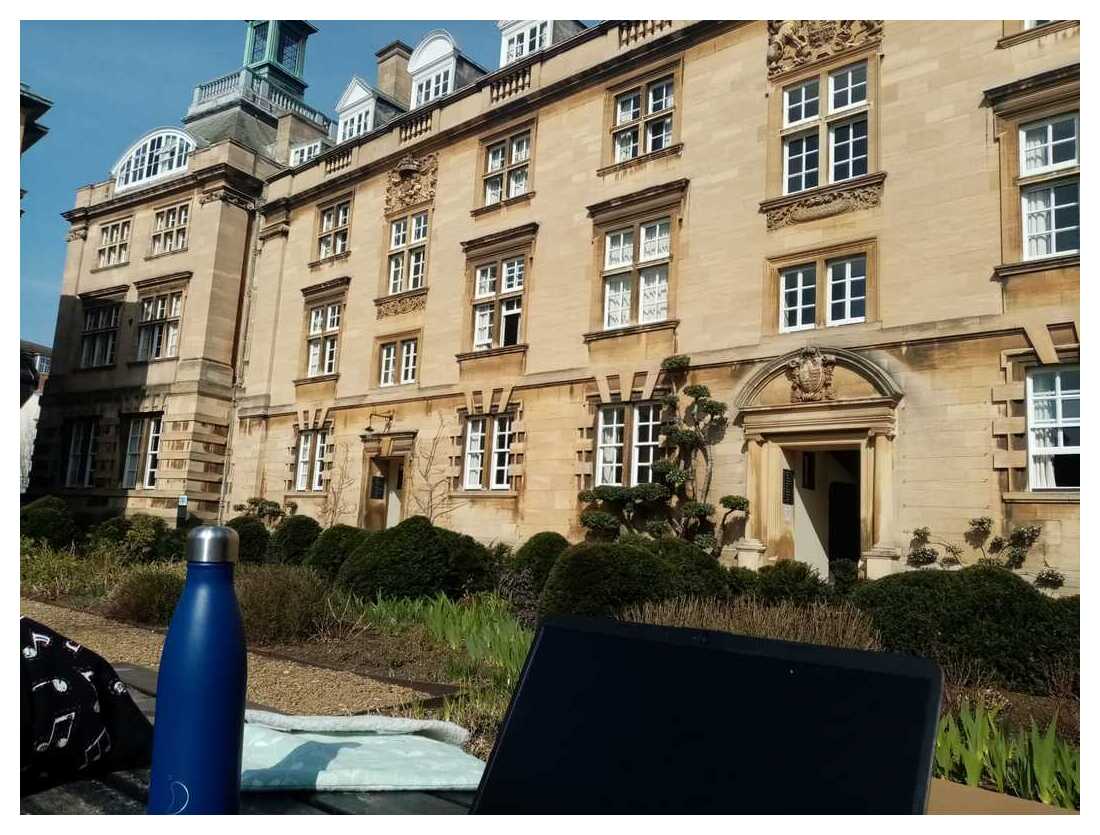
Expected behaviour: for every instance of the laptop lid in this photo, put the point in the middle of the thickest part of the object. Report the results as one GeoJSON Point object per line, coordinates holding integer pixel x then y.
{"type": "Point", "coordinates": [611, 717]}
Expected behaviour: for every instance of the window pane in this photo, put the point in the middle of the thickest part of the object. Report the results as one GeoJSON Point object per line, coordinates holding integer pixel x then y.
{"type": "Point", "coordinates": [513, 275]}
{"type": "Point", "coordinates": [799, 299]}
{"type": "Point", "coordinates": [660, 95]}
{"type": "Point", "coordinates": [654, 299]}
{"type": "Point", "coordinates": [626, 145]}
{"type": "Point", "coordinates": [493, 187]}
{"type": "Point", "coordinates": [486, 282]}
{"type": "Point", "coordinates": [802, 101]}
{"type": "Point", "coordinates": [617, 302]}
{"type": "Point", "coordinates": [628, 107]}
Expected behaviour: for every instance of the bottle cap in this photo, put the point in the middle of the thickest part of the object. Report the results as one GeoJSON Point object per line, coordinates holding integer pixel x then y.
{"type": "Point", "coordinates": [212, 543]}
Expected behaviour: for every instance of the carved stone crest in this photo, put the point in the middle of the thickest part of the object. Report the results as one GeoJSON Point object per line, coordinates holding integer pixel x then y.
{"type": "Point", "coordinates": [411, 182]}
{"type": "Point", "coordinates": [793, 43]}
{"type": "Point", "coordinates": [823, 204]}
{"type": "Point", "coordinates": [811, 376]}
{"type": "Point", "coordinates": [77, 233]}
{"type": "Point", "coordinates": [400, 305]}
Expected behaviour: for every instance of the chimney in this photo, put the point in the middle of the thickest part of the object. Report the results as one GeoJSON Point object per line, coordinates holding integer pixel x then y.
{"type": "Point", "coordinates": [393, 72]}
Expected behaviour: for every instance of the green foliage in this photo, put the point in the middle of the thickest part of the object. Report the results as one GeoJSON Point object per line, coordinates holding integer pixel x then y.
{"type": "Point", "coordinates": [110, 533]}
{"type": "Point", "coordinates": [791, 581]}
{"type": "Point", "coordinates": [538, 554]}
{"type": "Point", "coordinates": [254, 538]}
{"type": "Point", "coordinates": [329, 551]}
{"type": "Point", "coordinates": [696, 391]}
{"type": "Point", "coordinates": [984, 615]}
{"type": "Point", "coordinates": [146, 594]}
{"type": "Point", "coordinates": [601, 578]}
{"type": "Point", "coordinates": [977, 749]}
{"type": "Point", "coordinates": [46, 573]}
{"type": "Point", "coordinates": [280, 602]}
{"type": "Point", "coordinates": [417, 559]}
{"type": "Point", "coordinates": [143, 536]}
{"type": "Point", "coordinates": [292, 539]}
{"type": "Point", "coordinates": [600, 522]}
{"type": "Point", "coordinates": [1050, 578]}
{"type": "Point", "coordinates": [267, 511]}
{"type": "Point", "coordinates": [845, 576]}
{"type": "Point", "coordinates": [734, 503]}
{"type": "Point", "coordinates": [696, 510]}
{"type": "Point", "coordinates": [48, 519]}
{"type": "Point", "coordinates": [677, 362]}
{"type": "Point", "coordinates": [648, 492]}
{"type": "Point", "coordinates": [694, 570]}
{"type": "Point", "coordinates": [741, 581]}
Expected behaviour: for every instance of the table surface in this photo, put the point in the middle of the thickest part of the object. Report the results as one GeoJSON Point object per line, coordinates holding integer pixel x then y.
{"type": "Point", "coordinates": [126, 792]}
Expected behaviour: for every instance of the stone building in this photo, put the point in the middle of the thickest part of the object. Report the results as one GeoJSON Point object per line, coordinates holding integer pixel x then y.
{"type": "Point", "coordinates": [864, 234]}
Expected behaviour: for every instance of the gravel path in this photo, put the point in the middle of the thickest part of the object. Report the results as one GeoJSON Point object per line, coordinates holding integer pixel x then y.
{"type": "Point", "coordinates": [284, 685]}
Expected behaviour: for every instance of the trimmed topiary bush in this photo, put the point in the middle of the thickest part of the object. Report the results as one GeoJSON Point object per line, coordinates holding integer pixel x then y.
{"type": "Point", "coordinates": [537, 556]}
{"type": "Point", "coordinates": [845, 576]}
{"type": "Point", "coordinates": [599, 579]}
{"type": "Point", "coordinates": [147, 594]}
{"type": "Point", "coordinates": [329, 551]}
{"type": "Point", "coordinates": [417, 559]}
{"type": "Point", "coordinates": [741, 580]}
{"type": "Point", "coordinates": [48, 519]}
{"type": "Point", "coordinates": [695, 572]}
{"type": "Point", "coordinates": [292, 538]}
{"type": "Point", "coordinates": [981, 615]}
{"type": "Point", "coordinates": [253, 536]}
{"type": "Point", "coordinates": [792, 581]}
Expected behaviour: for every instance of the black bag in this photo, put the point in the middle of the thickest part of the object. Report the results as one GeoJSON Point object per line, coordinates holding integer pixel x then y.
{"type": "Point", "coordinates": [77, 719]}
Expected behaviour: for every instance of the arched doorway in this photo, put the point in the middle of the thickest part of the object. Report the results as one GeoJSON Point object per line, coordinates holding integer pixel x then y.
{"type": "Point", "coordinates": [819, 426]}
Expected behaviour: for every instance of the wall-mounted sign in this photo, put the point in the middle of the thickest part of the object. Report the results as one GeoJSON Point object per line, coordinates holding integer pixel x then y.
{"type": "Point", "coordinates": [378, 487]}
{"type": "Point", "coordinates": [788, 486]}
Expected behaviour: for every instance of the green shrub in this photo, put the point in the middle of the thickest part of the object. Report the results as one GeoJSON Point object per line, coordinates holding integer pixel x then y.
{"type": "Point", "coordinates": [280, 603]}
{"type": "Point", "coordinates": [292, 538]}
{"type": "Point", "coordinates": [845, 575]}
{"type": "Point", "coordinates": [695, 572]}
{"type": "Point", "coordinates": [329, 551]}
{"type": "Point", "coordinates": [48, 519]}
{"type": "Point", "coordinates": [417, 559]}
{"type": "Point", "coordinates": [147, 594]}
{"type": "Point", "coordinates": [792, 581]}
{"type": "Point", "coordinates": [601, 578]}
{"type": "Point", "coordinates": [518, 586]}
{"type": "Point", "coordinates": [144, 537]}
{"type": "Point", "coordinates": [981, 615]}
{"type": "Point", "coordinates": [538, 555]}
{"type": "Point", "coordinates": [47, 573]}
{"type": "Point", "coordinates": [253, 536]}
{"type": "Point", "coordinates": [741, 580]}
{"type": "Point", "coordinates": [109, 534]}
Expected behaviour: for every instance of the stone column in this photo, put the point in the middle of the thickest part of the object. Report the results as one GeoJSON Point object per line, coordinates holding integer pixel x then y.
{"type": "Point", "coordinates": [750, 549]}
{"type": "Point", "coordinates": [883, 556]}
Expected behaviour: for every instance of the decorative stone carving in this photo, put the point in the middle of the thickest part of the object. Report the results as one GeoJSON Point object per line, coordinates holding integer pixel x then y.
{"type": "Point", "coordinates": [811, 376]}
{"type": "Point", "coordinates": [77, 233]}
{"type": "Point", "coordinates": [411, 182]}
{"type": "Point", "coordinates": [404, 304]}
{"type": "Point", "coordinates": [793, 43]}
{"type": "Point", "coordinates": [823, 204]}
{"type": "Point", "coordinates": [228, 195]}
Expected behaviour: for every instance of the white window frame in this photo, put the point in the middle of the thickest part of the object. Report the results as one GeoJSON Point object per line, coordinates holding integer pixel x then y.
{"type": "Point", "coordinates": [1051, 211]}
{"type": "Point", "coordinates": [801, 285]}
{"type": "Point", "coordinates": [638, 122]}
{"type": "Point", "coordinates": [323, 338]}
{"type": "Point", "coordinates": [159, 327]}
{"type": "Point", "coordinates": [99, 336]}
{"type": "Point", "coordinates": [801, 88]}
{"type": "Point", "coordinates": [1048, 145]}
{"type": "Point", "coordinates": [387, 375]}
{"type": "Point", "coordinates": [847, 70]}
{"type": "Point", "coordinates": [507, 167]}
{"type": "Point", "coordinates": [498, 289]}
{"type": "Point", "coordinates": [310, 458]}
{"type": "Point", "coordinates": [114, 243]}
{"type": "Point", "coordinates": [787, 140]}
{"type": "Point", "coordinates": [80, 466]}
{"type": "Point", "coordinates": [407, 263]}
{"type": "Point", "coordinates": [153, 157]}
{"type": "Point", "coordinates": [850, 142]}
{"type": "Point", "coordinates": [652, 446]}
{"type": "Point", "coordinates": [170, 229]}
{"type": "Point", "coordinates": [408, 360]}
{"type": "Point", "coordinates": [355, 123]}
{"type": "Point", "coordinates": [1057, 424]}
{"type": "Point", "coordinates": [617, 425]}
{"type": "Point", "coordinates": [302, 154]}
{"type": "Point", "coordinates": [152, 453]}
{"type": "Point", "coordinates": [335, 229]}
{"type": "Point", "coordinates": [473, 466]}
{"type": "Point", "coordinates": [847, 281]}
{"type": "Point", "coordinates": [637, 258]}
{"type": "Point", "coordinates": [503, 435]}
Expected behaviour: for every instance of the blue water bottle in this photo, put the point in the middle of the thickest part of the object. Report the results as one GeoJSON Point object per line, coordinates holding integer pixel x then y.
{"type": "Point", "coordinates": [201, 687]}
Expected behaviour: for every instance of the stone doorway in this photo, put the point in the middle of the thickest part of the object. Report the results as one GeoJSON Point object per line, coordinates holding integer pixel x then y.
{"type": "Point", "coordinates": [824, 510]}
{"type": "Point", "coordinates": [385, 471]}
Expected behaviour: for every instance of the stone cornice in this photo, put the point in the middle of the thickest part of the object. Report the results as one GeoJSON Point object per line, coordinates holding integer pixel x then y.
{"type": "Point", "coordinates": [106, 292]}
{"type": "Point", "coordinates": [999, 97]}
{"type": "Point", "coordinates": [673, 191]}
{"type": "Point", "coordinates": [516, 236]}
{"type": "Point", "coordinates": [1003, 271]}
{"type": "Point", "coordinates": [313, 290]}
{"type": "Point", "coordinates": [1036, 32]}
{"type": "Point", "coordinates": [145, 283]}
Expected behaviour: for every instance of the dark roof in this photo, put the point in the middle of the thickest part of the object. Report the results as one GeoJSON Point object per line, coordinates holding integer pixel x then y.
{"type": "Point", "coordinates": [28, 347]}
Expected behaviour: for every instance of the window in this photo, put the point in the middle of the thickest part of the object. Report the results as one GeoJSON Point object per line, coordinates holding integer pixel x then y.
{"type": "Point", "coordinates": [408, 258]}
{"type": "Point", "coordinates": [434, 87]}
{"type": "Point", "coordinates": [332, 239]}
{"type": "Point", "coordinates": [1049, 145]}
{"type": "Point", "coordinates": [1035, 24]}
{"type": "Point", "coordinates": [642, 118]}
{"type": "Point", "coordinates": [354, 124]}
{"type": "Point", "coordinates": [498, 302]}
{"type": "Point", "coordinates": [847, 290]}
{"type": "Point", "coordinates": [309, 466]}
{"type": "Point", "coordinates": [81, 438]}
{"type": "Point", "coordinates": [154, 157]}
{"type": "Point", "coordinates": [42, 363]}
{"type": "Point", "coordinates": [304, 153]}
{"type": "Point", "coordinates": [142, 452]}
{"type": "Point", "coordinates": [259, 42]}
{"type": "Point", "coordinates": [1054, 428]}
{"type": "Point", "coordinates": [615, 456]}
{"type": "Point", "coordinates": [290, 47]}
{"type": "Point", "coordinates": [170, 229]}
{"type": "Point", "coordinates": [114, 243]}
{"type": "Point", "coordinates": [529, 39]}
{"type": "Point", "coordinates": [507, 163]}
{"type": "Point", "coordinates": [323, 338]}
{"type": "Point", "coordinates": [390, 373]}
{"type": "Point", "coordinates": [808, 130]}
{"type": "Point", "coordinates": [159, 332]}
{"type": "Point", "coordinates": [1051, 215]}
{"type": "Point", "coordinates": [798, 302]}
{"type": "Point", "coordinates": [636, 263]}
{"type": "Point", "coordinates": [487, 463]}
{"type": "Point", "coordinates": [99, 336]}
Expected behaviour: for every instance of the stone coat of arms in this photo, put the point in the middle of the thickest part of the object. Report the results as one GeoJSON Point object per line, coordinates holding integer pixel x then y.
{"type": "Point", "coordinates": [411, 182]}
{"type": "Point", "coordinates": [811, 376]}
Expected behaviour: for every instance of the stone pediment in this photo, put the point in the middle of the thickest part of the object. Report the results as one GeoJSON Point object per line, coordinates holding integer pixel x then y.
{"type": "Point", "coordinates": [814, 374]}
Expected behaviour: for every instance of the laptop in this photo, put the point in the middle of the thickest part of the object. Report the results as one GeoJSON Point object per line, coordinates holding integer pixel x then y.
{"type": "Point", "coordinates": [623, 718]}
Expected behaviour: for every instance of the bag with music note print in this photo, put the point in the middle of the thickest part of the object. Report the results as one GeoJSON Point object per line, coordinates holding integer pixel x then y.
{"type": "Point", "coordinates": [77, 718]}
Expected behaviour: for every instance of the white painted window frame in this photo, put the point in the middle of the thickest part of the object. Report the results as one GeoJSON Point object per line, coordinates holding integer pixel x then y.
{"type": "Point", "coordinates": [1058, 424]}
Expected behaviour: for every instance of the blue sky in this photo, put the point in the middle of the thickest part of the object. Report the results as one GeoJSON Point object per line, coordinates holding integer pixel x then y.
{"type": "Point", "coordinates": [111, 82]}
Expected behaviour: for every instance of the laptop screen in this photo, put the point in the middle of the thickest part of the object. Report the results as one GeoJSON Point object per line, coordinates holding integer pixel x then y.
{"type": "Point", "coordinates": [622, 718]}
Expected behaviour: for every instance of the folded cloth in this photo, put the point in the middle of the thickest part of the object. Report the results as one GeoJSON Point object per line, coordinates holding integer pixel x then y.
{"type": "Point", "coordinates": [355, 753]}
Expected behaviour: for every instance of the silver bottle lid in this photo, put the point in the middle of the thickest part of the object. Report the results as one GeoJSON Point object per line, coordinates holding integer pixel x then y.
{"type": "Point", "coordinates": [212, 543]}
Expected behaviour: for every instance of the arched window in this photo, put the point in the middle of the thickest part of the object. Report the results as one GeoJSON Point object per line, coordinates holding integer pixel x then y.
{"type": "Point", "coordinates": [154, 156]}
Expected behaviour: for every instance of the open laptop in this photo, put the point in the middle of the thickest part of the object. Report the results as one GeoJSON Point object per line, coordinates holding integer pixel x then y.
{"type": "Point", "coordinates": [622, 718]}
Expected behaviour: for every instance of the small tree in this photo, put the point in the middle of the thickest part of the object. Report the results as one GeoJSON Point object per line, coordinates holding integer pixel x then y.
{"type": "Point", "coordinates": [338, 482]}
{"type": "Point", "coordinates": [1006, 551]}
{"type": "Point", "coordinates": [676, 502]}
{"type": "Point", "coordinates": [431, 482]}
{"type": "Point", "coordinates": [269, 512]}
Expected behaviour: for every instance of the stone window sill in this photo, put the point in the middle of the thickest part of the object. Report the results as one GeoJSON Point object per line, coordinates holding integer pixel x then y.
{"type": "Point", "coordinates": [332, 259]}
{"type": "Point", "coordinates": [165, 254]}
{"type": "Point", "coordinates": [824, 201]}
{"type": "Point", "coordinates": [1043, 497]}
{"type": "Point", "coordinates": [496, 207]}
{"type": "Point", "coordinates": [304, 494]}
{"type": "Point", "coordinates": [1037, 32]}
{"type": "Point", "coordinates": [318, 378]}
{"type": "Point", "coordinates": [485, 494]}
{"type": "Point", "coordinates": [492, 352]}
{"type": "Point", "coordinates": [630, 330]}
{"type": "Point", "coordinates": [1058, 262]}
{"type": "Point", "coordinates": [109, 267]}
{"type": "Point", "coordinates": [616, 167]}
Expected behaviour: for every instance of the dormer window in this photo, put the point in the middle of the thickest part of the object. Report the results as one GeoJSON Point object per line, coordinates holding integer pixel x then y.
{"type": "Point", "coordinates": [155, 156]}
{"type": "Point", "coordinates": [438, 68]}
{"type": "Point", "coordinates": [304, 153]}
{"type": "Point", "coordinates": [434, 87]}
{"type": "Point", "coordinates": [354, 124]}
{"type": "Point", "coordinates": [531, 37]}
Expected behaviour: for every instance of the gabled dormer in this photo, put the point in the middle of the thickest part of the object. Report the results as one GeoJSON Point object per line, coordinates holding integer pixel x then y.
{"type": "Point", "coordinates": [362, 108]}
{"type": "Point", "coordinates": [522, 37]}
{"type": "Point", "coordinates": [438, 68]}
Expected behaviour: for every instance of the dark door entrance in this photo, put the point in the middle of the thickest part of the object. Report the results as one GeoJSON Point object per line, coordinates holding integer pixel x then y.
{"type": "Point", "coordinates": [843, 521]}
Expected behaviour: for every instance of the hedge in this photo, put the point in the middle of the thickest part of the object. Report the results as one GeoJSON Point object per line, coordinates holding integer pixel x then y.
{"type": "Point", "coordinates": [417, 559]}
{"type": "Point", "coordinates": [292, 538]}
{"type": "Point", "coordinates": [48, 519]}
{"type": "Point", "coordinates": [329, 551]}
{"type": "Point", "coordinates": [790, 580]}
{"type": "Point", "coordinates": [981, 615]}
{"type": "Point", "coordinates": [598, 579]}
{"type": "Point", "coordinates": [254, 538]}
{"type": "Point", "coordinates": [536, 557]}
